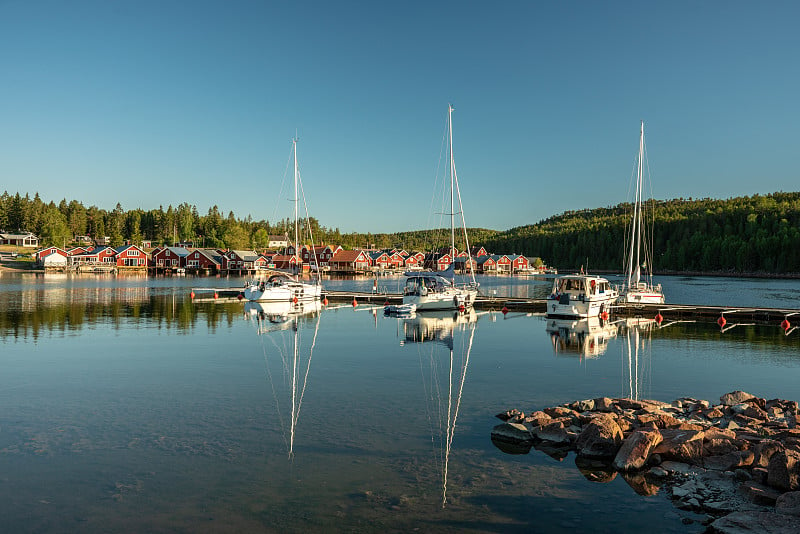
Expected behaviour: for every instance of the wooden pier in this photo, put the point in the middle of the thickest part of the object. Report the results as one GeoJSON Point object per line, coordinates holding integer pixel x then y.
{"type": "Point", "coordinates": [725, 316]}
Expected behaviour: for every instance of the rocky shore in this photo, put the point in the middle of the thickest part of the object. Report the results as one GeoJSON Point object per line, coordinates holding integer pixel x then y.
{"type": "Point", "coordinates": [736, 463]}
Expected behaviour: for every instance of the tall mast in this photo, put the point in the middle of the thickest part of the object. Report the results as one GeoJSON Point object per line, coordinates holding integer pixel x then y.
{"type": "Point", "coordinates": [296, 244]}
{"type": "Point", "coordinates": [452, 181]}
{"type": "Point", "coordinates": [636, 224]}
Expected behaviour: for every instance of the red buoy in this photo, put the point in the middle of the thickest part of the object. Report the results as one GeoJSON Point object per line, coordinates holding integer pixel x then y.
{"type": "Point", "coordinates": [191, 295]}
{"type": "Point", "coordinates": [604, 316]}
{"type": "Point", "coordinates": [721, 321]}
{"type": "Point", "coordinates": [355, 302]}
{"type": "Point", "coordinates": [385, 302]}
{"type": "Point", "coordinates": [504, 310]}
{"type": "Point", "coordinates": [294, 300]}
{"type": "Point", "coordinates": [785, 324]}
{"type": "Point", "coordinates": [462, 308]}
{"type": "Point", "coordinates": [325, 301]}
{"type": "Point", "coordinates": [659, 318]}
{"type": "Point", "coordinates": [240, 296]}
{"type": "Point", "coordinates": [215, 295]}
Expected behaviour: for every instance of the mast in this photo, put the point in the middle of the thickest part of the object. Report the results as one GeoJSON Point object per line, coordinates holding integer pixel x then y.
{"type": "Point", "coordinates": [296, 244]}
{"type": "Point", "coordinates": [452, 181]}
{"type": "Point", "coordinates": [636, 237]}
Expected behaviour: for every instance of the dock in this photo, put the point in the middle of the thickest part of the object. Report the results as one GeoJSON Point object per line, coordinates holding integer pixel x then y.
{"type": "Point", "coordinates": [725, 316]}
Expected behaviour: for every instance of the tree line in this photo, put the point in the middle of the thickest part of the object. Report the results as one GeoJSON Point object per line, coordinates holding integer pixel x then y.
{"type": "Point", "coordinates": [759, 233]}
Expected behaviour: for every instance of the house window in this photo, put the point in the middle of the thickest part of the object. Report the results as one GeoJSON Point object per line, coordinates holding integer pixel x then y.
{"type": "Point", "coordinates": [132, 252]}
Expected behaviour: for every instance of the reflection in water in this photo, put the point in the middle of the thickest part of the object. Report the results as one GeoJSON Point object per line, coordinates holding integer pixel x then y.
{"type": "Point", "coordinates": [636, 358]}
{"type": "Point", "coordinates": [586, 337]}
{"type": "Point", "coordinates": [273, 321]}
{"type": "Point", "coordinates": [429, 331]}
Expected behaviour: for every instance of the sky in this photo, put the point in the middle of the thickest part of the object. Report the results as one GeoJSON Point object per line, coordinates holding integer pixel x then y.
{"type": "Point", "coordinates": [152, 103]}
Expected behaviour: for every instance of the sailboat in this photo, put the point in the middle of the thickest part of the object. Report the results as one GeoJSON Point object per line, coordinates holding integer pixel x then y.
{"type": "Point", "coordinates": [639, 287]}
{"type": "Point", "coordinates": [282, 286]}
{"type": "Point", "coordinates": [432, 330]}
{"type": "Point", "coordinates": [437, 290]}
{"type": "Point", "coordinates": [274, 320]}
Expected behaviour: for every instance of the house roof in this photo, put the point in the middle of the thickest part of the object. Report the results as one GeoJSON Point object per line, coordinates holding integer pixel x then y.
{"type": "Point", "coordinates": [347, 255]}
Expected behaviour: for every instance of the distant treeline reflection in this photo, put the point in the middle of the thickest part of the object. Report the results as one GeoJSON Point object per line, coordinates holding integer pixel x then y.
{"type": "Point", "coordinates": [154, 312]}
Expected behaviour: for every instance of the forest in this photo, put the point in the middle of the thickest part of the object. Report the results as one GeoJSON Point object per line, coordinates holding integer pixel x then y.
{"type": "Point", "coordinates": [751, 234]}
{"type": "Point", "coordinates": [755, 234]}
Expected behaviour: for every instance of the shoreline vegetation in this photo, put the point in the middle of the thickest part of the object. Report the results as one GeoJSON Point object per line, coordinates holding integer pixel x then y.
{"type": "Point", "coordinates": [755, 236]}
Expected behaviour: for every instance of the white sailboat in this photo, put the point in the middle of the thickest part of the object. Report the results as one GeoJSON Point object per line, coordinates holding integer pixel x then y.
{"type": "Point", "coordinates": [639, 287]}
{"type": "Point", "coordinates": [429, 290]}
{"type": "Point", "coordinates": [284, 286]}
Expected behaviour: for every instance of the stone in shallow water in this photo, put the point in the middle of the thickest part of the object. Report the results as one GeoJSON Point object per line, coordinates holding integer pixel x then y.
{"type": "Point", "coordinates": [600, 438]}
{"type": "Point", "coordinates": [636, 450]}
{"type": "Point", "coordinates": [761, 522]}
{"type": "Point", "coordinates": [735, 397]}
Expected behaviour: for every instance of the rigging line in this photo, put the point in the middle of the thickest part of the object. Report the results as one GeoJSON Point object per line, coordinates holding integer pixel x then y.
{"type": "Point", "coordinates": [442, 153]}
{"type": "Point", "coordinates": [308, 224]}
{"type": "Point", "coordinates": [280, 191]}
{"type": "Point", "coordinates": [308, 367]}
{"type": "Point", "coordinates": [272, 386]}
{"type": "Point", "coordinates": [428, 392]}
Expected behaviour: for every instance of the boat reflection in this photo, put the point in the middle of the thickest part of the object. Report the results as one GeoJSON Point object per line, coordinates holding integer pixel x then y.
{"type": "Point", "coordinates": [429, 332]}
{"type": "Point", "coordinates": [636, 335]}
{"type": "Point", "coordinates": [279, 325]}
{"type": "Point", "coordinates": [587, 338]}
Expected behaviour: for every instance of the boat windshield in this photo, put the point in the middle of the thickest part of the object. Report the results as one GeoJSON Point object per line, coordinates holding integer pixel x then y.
{"type": "Point", "coordinates": [570, 284]}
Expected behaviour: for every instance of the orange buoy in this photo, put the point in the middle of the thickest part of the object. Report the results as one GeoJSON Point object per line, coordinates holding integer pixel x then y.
{"type": "Point", "coordinates": [215, 295]}
{"type": "Point", "coordinates": [604, 316]}
{"type": "Point", "coordinates": [785, 324]}
{"type": "Point", "coordinates": [191, 295]}
{"type": "Point", "coordinates": [294, 300]}
{"type": "Point", "coordinates": [504, 310]}
{"type": "Point", "coordinates": [355, 302]}
{"type": "Point", "coordinates": [325, 301]}
{"type": "Point", "coordinates": [721, 321]}
{"type": "Point", "coordinates": [659, 318]}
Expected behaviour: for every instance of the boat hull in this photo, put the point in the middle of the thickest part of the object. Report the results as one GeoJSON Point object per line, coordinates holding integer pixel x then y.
{"type": "Point", "coordinates": [642, 297]}
{"type": "Point", "coordinates": [577, 308]}
{"type": "Point", "coordinates": [288, 292]}
{"type": "Point", "coordinates": [452, 299]}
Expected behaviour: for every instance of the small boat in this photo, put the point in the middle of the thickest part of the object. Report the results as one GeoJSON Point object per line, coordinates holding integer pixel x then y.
{"type": "Point", "coordinates": [283, 286]}
{"type": "Point", "coordinates": [581, 295]}
{"type": "Point", "coordinates": [437, 290]}
{"type": "Point", "coordinates": [639, 288]}
{"type": "Point", "coordinates": [399, 309]}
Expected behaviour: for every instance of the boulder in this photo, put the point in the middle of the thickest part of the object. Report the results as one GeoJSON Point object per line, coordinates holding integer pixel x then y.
{"type": "Point", "coordinates": [760, 494]}
{"type": "Point", "coordinates": [510, 414]}
{"type": "Point", "coordinates": [764, 450]}
{"type": "Point", "coordinates": [603, 404]}
{"type": "Point", "coordinates": [583, 405]}
{"type": "Point", "coordinates": [554, 432]}
{"type": "Point", "coordinates": [735, 397]}
{"type": "Point", "coordinates": [600, 438]}
{"type": "Point", "coordinates": [730, 461]}
{"type": "Point", "coordinates": [782, 471]}
{"type": "Point", "coordinates": [681, 445]}
{"type": "Point", "coordinates": [657, 420]}
{"type": "Point", "coordinates": [636, 449]}
{"type": "Point", "coordinates": [761, 522]}
{"type": "Point", "coordinates": [537, 418]}
{"type": "Point", "coordinates": [560, 411]}
{"type": "Point", "coordinates": [513, 432]}
{"type": "Point", "coordinates": [789, 504]}
{"type": "Point", "coordinates": [717, 446]}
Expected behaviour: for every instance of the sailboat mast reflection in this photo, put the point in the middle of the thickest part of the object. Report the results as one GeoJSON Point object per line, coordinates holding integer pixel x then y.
{"type": "Point", "coordinates": [273, 320]}
{"type": "Point", "coordinates": [433, 329]}
{"type": "Point", "coordinates": [636, 356]}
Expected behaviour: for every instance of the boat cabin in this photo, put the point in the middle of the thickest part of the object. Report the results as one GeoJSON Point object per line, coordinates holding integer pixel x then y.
{"type": "Point", "coordinates": [579, 286]}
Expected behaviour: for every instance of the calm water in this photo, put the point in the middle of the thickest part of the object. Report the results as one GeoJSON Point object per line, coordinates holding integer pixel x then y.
{"type": "Point", "coordinates": [128, 407]}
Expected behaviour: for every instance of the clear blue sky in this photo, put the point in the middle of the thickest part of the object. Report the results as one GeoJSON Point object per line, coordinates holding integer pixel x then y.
{"type": "Point", "coordinates": [159, 102]}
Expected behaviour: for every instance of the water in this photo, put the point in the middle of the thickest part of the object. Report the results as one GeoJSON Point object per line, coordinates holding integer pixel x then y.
{"type": "Point", "coordinates": [128, 407]}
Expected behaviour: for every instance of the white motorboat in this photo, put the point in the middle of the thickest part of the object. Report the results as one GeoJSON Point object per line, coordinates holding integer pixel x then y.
{"type": "Point", "coordinates": [581, 295]}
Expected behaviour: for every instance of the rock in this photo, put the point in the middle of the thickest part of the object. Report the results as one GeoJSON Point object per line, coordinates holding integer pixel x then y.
{"type": "Point", "coordinates": [600, 438]}
{"type": "Point", "coordinates": [764, 450]}
{"type": "Point", "coordinates": [681, 445]}
{"type": "Point", "coordinates": [560, 411]}
{"type": "Point", "coordinates": [537, 418]}
{"type": "Point", "coordinates": [761, 522]}
{"type": "Point", "coordinates": [713, 413]}
{"type": "Point", "coordinates": [658, 472]}
{"type": "Point", "coordinates": [512, 447]}
{"type": "Point", "coordinates": [636, 449]}
{"type": "Point", "coordinates": [789, 504]}
{"type": "Point", "coordinates": [727, 462]}
{"type": "Point", "coordinates": [760, 494]}
{"type": "Point", "coordinates": [782, 471]}
{"type": "Point", "coordinates": [716, 446]}
{"type": "Point", "coordinates": [513, 432]}
{"type": "Point", "coordinates": [677, 467]}
{"type": "Point", "coordinates": [553, 432]}
{"type": "Point", "coordinates": [735, 397]}
{"type": "Point", "coordinates": [759, 474]}
{"type": "Point", "coordinates": [658, 420]}
{"type": "Point", "coordinates": [603, 404]}
{"type": "Point", "coordinates": [509, 414]}
{"type": "Point", "coordinates": [583, 405]}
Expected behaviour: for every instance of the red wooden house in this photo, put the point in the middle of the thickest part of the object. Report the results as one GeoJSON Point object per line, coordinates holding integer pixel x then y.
{"type": "Point", "coordinates": [100, 254]}
{"type": "Point", "coordinates": [40, 254]}
{"type": "Point", "coordinates": [396, 260]}
{"type": "Point", "coordinates": [518, 262]}
{"type": "Point", "coordinates": [130, 256]}
{"type": "Point", "coordinates": [486, 264]}
{"type": "Point", "coordinates": [380, 260]}
{"type": "Point", "coordinates": [169, 257]}
{"type": "Point", "coordinates": [350, 261]}
{"type": "Point", "coordinates": [204, 260]}
{"type": "Point", "coordinates": [284, 261]}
